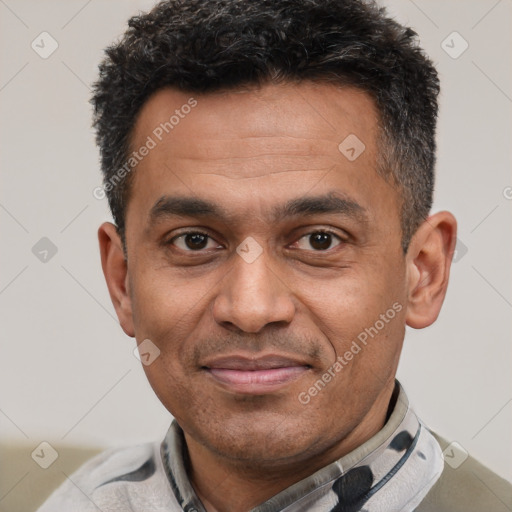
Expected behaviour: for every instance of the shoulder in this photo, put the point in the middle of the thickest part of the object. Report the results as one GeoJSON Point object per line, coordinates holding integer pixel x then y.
{"type": "Point", "coordinates": [466, 486]}
{"type": "Point", "coordinates": [115, 480]}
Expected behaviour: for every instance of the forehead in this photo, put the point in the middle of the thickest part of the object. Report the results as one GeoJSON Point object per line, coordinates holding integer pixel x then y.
{"type": "Point", "coordinates": [306, 119]}
{"type": "Point", "coordinates": [254, 146]}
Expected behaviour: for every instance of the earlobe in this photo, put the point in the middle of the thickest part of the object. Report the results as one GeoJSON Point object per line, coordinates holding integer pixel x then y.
{"type": "Point", "coordinates": [429, 259]}
{"type": "Point", "coordinates": [115, 270]}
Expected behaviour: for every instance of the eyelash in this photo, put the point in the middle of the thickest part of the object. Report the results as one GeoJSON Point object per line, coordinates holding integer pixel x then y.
{"type": "Point", "coordinates": [323, 231]}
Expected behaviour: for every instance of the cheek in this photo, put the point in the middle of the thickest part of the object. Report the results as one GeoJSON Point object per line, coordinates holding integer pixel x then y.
{"type": "Point", "coordinates": [343, 306]}
{"type": "Point", "coordinates": [166, 314]}
{"type": "Point", "coordinates": [361, 315]}
{"type": "Point", "coordinates": [161, 301]}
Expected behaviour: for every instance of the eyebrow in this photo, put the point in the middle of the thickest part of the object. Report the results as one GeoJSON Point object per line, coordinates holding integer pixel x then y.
{"type": "Point", "coordinates": [331, 203]}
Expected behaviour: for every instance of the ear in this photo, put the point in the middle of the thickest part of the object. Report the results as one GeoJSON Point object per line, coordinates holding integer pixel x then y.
{"type": "Point", "coordinates": [428, 261]}
{"type": "Point", "coordinates": [115, 270]}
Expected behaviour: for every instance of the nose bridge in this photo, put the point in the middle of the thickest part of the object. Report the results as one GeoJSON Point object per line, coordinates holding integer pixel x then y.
{"type": "Point", "coordinates": [251, 295]}
{"type": "Point", "coordinates": [253, 278]}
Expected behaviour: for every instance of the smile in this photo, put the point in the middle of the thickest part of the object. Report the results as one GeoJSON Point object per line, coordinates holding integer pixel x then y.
{"type": "Point", "coordinates": [261, 375]}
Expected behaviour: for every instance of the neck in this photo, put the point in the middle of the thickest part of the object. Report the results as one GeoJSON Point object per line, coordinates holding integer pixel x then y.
{"type": "Point", "coordinates": [231, 486]}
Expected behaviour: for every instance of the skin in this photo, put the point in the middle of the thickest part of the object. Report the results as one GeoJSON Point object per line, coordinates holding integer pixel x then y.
{"type": "Point", "coordinates": [250, 151]}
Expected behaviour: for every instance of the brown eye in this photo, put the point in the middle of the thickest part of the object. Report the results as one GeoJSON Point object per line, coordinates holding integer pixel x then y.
{"type": "Point", "coordinates": [193, 241]}
{"type": "Point", "coordinates": [318, 241]}
{"type": "Point", "coordinates": [196, 241]}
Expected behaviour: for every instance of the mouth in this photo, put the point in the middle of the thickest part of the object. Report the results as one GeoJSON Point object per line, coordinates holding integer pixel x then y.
{"type": "Point", "coordinates": [255, 375]}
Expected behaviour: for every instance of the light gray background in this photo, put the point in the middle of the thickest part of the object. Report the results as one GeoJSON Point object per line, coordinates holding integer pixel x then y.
{"type": "Point", "coordinates": [67, 371]}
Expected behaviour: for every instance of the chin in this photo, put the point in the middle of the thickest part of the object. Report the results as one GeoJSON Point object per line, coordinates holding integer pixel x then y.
{"type": "Point", "coordinates": [257, 440]}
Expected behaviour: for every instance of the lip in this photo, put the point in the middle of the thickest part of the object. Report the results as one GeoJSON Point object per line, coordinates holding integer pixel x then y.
{"type": "Point", "coordinates": [255, 375]}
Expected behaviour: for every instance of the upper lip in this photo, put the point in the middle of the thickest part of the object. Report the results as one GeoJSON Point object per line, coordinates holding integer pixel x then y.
{"type": "Point", "coordinates": [253, 363]}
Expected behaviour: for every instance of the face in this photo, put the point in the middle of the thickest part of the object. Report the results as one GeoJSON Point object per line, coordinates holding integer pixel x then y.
{"type": "Point", "coordinates": [265, 263]}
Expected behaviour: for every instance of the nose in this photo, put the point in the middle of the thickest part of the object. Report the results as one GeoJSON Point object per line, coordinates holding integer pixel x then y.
{"type": "Point", "coordinates": [252, 296]}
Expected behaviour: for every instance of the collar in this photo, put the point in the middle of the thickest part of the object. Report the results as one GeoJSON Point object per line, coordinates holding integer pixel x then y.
{"type": "Point", "coordinates": [393, 470]}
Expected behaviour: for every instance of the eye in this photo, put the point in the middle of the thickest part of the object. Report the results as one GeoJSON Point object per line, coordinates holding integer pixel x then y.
{"type": "Point", "coordinates": [318, 241]}
{"type": "Point", "coordinates": [194, 241]}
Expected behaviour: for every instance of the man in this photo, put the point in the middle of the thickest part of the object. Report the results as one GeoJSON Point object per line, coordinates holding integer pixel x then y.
{"type": "Point", "coordinates": [269, 166]}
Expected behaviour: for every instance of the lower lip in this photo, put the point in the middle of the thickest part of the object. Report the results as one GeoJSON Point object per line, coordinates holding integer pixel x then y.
{"type": "Point", "coordinates": [257, 381]}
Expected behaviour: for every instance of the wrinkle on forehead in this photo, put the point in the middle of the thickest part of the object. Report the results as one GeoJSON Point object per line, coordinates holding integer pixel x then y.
{"type": "Point", "coordinates": [247, 147]}
{"type": "Point", "coordinates": [255, 176]}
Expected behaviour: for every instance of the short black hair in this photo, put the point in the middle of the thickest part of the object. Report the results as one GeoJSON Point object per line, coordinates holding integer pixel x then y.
{"type": "Point", "coordinates": [202, 46]}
